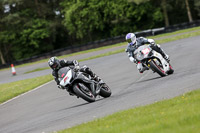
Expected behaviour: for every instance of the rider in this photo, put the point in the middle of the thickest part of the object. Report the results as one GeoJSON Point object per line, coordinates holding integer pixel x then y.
{"type": "Point", "coordinates": [134, 43]}
{"type": "Point", "coordinates": [56, 64]}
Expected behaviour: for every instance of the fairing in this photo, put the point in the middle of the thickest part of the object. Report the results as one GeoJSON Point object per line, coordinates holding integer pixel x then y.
{"type": "Point", "coordinates": [145, 52]}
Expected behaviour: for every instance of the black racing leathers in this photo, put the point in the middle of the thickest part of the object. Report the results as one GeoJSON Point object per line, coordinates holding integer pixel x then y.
{"type": "Point", "coordinates": [64, 63]}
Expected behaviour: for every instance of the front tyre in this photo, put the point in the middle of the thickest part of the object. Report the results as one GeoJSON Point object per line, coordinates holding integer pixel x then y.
{"type": "Point", "coordinates": [156, 68]}
{"type": "Point", "coordinates": [83, 91]}
{"type": "Point", "coordinates": [105, 91]}
{"type": "Point", "coordinates": [171, 70]}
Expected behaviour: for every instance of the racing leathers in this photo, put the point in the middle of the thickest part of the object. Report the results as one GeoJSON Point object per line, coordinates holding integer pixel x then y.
{"type": "Point", "coordinates": [74, 65]}
{"type": "Point", "coordinates": [139, 42]}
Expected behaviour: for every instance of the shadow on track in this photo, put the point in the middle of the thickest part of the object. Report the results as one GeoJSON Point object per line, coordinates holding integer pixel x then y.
{"type": "Point", "coordinates": [132, 88]}
{"type": "Point", "coordinates": [79, 105]}
{"type": "Point", "coordinates": [149, 79]}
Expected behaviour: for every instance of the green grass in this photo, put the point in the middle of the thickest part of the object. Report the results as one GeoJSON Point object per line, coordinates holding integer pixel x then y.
{"type": "Point", "coordinates": [181, 114]}
{"type": "Point", "coordinates": [178, 37]}
{"type": "Point", "coordinates": [13, 89]}
{"type": "Point", "coordinates": [165, 40]}
{"type": "Point", "coordinates": [195, 29]}
{"type": "Point", "coordinates": [89, 58]}
{"type": "Point", "coordinates": [105, 54]}
{"type": "Point", "coordinates": [177, 115]}
{"type": "Point", "coordinates": [176, 32]}
{"type": "Point", "coordinates": [6, 87]}
{"type": "Point", "coordinates": [37, 69]}
{"type": "Point", "coordinates": [68, 55]}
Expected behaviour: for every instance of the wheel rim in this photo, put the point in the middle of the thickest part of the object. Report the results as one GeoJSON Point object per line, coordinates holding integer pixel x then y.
{"type": "Point", "coordinates": [159, 67]}
{"type": "Point", "coordinates": [87, 92]}
{"type": "Point", "coordinates": [105, 87]}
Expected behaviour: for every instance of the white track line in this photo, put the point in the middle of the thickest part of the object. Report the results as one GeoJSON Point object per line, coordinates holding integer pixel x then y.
{"type": "Point", "coordinates": [25, 93]}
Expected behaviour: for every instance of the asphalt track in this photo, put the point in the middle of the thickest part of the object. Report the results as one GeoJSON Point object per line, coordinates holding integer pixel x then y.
{"type": "Point", "coordinates": [6, 75]}
{"type": "Point", "coordinates": [49, 109]}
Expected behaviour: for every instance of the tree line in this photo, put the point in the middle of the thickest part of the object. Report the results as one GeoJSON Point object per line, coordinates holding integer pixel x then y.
{"type": "Point", "coordinates": [32, 27]}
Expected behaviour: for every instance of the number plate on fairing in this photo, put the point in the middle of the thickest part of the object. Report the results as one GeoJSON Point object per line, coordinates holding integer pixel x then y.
{"type": "Point", "coordinates": [66, 79]}
{"type": "Point", "coordinates": [145, 51]}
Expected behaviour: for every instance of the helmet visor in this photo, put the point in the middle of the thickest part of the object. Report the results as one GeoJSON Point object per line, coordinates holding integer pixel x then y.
{"type": "Point", "coordinates": [54, 66]}
{"type": "Point", "coordinates": [129, 40]}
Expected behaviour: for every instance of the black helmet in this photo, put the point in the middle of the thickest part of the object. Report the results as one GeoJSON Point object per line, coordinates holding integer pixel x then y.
{"type": "Point", "coordinates": [54, 63]}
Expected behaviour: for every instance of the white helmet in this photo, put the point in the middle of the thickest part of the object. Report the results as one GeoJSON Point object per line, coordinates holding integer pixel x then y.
{"type": "Point", "coordinates": [131, 38]}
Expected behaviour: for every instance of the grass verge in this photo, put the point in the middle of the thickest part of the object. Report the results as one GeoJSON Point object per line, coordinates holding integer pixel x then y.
{"type": "Point", "coordinates": [92, 57]}
{"type": "Point", "coordinates": [5, 88]}
{"type": "Point", "coordinates": [69, 55]}
{"type": "Point", "coordinates": [164, 40]}
{"type": "Point", "coordinates": [177, 115]}
{"type": "Point", "coordinates": [181, 32]}
{"type": "Point", "coordinates": [177, 32]}
{"type": "Point", "coordinates": [37, 69]}
{"type": "Point", "coordinates": [10, 90]}
{"type": "Point", "coordinates": [178, 37]}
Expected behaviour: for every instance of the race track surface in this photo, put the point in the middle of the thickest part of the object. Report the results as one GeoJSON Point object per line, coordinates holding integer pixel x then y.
{"type": "Point", "coordinates": [7, 77]}
{"type": "Point", "coordinates": [49, 109]}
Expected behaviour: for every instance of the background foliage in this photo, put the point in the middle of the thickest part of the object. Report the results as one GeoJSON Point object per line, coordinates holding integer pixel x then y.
{"type": "Point", "coordinates": [32, 27]}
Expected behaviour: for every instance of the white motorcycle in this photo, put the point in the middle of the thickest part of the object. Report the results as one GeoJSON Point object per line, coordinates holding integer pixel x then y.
{"type": "Point", "coordinates": [151, 59]}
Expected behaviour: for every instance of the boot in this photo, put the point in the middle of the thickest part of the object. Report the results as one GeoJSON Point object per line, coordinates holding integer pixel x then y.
{"type": "Point", "coordinates": [165, 55]}
{"type": "Point", "coordinates": [161, 51]}
{"type": "Point", "coordinates": [92, 74]}
{"type": "Point", "coordinates": [141, 68]}
{"type": "Point", "coordinates": [96, 78]}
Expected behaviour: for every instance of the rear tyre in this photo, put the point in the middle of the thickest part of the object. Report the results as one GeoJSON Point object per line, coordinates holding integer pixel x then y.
{"type": "Point", "coordinates": [83, 91]}
{"type": "Point", "coordinates": [155, 67]}
{"type": "Point", "coordinates": [105, 91]}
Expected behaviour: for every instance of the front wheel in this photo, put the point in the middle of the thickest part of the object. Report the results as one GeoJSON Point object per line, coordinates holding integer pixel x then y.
{"type": "Point", "coordinates": [105, 91]}
{"type": "Point", "coordinates": [83, 91]}
{"type": "Point", "coordinates": [156, 68]}
{"type": "Point", "coordinates": [171, 70]}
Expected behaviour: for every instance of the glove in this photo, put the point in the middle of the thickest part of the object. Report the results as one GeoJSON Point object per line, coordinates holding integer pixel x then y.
{"type": "Point", "coordinates": [76, 68]}
{"type": "Point", "coordinates": [152, 44]}
{"type": "Point", "coordinates": [132, 59]}
{"type": "Point", "coordinates": [75, 63]}
{"type": "Point", "coordinates": [151, 41]}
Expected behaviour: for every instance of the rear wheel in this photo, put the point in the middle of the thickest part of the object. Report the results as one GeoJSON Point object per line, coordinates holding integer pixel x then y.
{"type": "Point", "coordinates": [156, 67]}
{"type": "Point", "coordinates": [105, 91]}
{"type": "Point", "coordinates": [83, 91]}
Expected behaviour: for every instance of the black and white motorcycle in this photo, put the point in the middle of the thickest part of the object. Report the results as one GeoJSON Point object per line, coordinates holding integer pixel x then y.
{"type": "Point", "coordinates": [81, 84]}
{"type": "Point", "coordinates": [149, 58]}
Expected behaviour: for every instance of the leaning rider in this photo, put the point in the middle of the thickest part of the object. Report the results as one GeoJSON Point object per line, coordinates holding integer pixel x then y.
{"type": "Point", "coordinates": [134, 43]}
{"type": "Point", "coordinates": [56, 64]}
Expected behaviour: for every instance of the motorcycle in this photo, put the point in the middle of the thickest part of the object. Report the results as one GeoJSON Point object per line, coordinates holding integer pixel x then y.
{"type": "Point", "coordinates": [81, 84]}
{"type": "Point", "coordinates": [149, 58]}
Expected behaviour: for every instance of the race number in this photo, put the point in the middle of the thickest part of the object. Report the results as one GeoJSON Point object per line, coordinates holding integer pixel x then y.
{"type": "Point", "coordinates": [146, 51]}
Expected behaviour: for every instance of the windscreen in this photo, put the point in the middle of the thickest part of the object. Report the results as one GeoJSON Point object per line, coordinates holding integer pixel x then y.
{"type": "Point", "coordinates": [62, 72]}
{"type": "Point", "coordinates": [142, 52]}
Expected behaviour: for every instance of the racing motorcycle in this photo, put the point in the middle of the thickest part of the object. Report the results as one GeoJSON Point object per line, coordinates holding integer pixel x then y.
{"type": "Point", "coordinates": [81, 84]}
{"type": "Point", "coordinates": [149, 58]}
